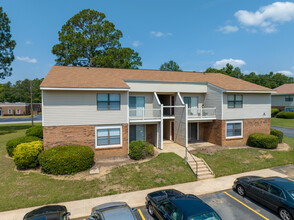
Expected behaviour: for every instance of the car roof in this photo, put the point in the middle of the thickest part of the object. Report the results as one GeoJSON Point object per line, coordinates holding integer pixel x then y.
{"type": "Point", "coordinates": [190, 205]}
{"type": "Point", "coordinates": [280, 182]}
{"type": "Point", "coordinates": [115, 211]}
{"type": "Point", "coordinates": [46, 210]}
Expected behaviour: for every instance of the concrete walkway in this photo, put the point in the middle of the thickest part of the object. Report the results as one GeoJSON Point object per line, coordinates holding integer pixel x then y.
{"type": "Point", "coordinates": [81, 208]}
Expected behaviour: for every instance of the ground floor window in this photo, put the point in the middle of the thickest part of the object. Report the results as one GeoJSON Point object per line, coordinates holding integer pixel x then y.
{"type": "Point", "coordinates": [234, 129]}
{"type": "Point", "coordinates": [9, 111]}
{"type": "Point", "coordinates": [108, 136]}
{"type": "Point", "coordinates": [289, 109]}
{"type": "Point", "coordinates": [18, 111]}
{"type": "Point", "coordinates": [137, 132]}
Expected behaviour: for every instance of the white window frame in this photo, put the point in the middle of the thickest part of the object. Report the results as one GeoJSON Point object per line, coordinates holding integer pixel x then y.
{"type": "Point", "coordinates": [232, 137]}
{"type": "Point", "coordinates": [18, 111]}
{"type": "Point", "coordinates": [108, 127]}
{"type": "Point", "coordinates": [10, 111]}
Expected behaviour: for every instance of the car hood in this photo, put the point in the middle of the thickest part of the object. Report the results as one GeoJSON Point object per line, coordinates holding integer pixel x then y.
{"type": "Point", "coordinates": [248, 178]}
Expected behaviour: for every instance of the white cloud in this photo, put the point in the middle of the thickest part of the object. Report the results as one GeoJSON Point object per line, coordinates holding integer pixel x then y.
{"type": "Point", "coordinates": [26, 59]}
{"type": "Point", "coordinates": [205, 52]}
{"type": "Point", "coordinates": [136, 43]}
{"type": "Point", "coordinates": [28, 42]}
{"type": "Point", "coordinates": [160, 34]}
{"type": "Point", "coordinates": [286, 72]}
{"type": "Point", "coordinates": [267, 17]}
{"type": "Point", "coordinates": [222, 63]}
{"type": "Point", "coordinates": [228, 29]}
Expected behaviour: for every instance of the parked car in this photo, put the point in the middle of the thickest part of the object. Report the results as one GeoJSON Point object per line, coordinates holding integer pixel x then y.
{"type": "Point", "coordinates": [174, 205]}
{"type": "Point", "coordinates": [112, 211]}
{"type": "Point", "coordinates": [276, 193]}
{"type": "Point", "coordinates": [52, 212]}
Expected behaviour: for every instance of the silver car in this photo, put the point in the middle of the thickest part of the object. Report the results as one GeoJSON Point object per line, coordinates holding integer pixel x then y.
{"type": "Point", "coordinates": [112, 211]}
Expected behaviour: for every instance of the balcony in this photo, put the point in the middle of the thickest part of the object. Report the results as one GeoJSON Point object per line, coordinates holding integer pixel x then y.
{"type": "Point", "coordinates": [144, 114]}
{"type": "Point", "coordinates": [202, 113]}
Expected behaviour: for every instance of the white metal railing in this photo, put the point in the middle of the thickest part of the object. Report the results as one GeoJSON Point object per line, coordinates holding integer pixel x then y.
{"type": "Point", "coordinates": [145, 114]}
{"type": "Point", "coordinates": [201, 112]}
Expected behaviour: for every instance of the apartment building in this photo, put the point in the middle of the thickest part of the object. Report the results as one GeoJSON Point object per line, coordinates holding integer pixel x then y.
{"type": "Point", "coordinates": [284, 98]}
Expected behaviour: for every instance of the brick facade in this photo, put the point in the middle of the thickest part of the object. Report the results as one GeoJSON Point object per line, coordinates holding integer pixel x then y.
{"type": "Point", "coordinates": [83, 135]}
{"type": "Point", "coordinates": [215, 132]}
{"type": "Point", "coordinates": [24, 109]}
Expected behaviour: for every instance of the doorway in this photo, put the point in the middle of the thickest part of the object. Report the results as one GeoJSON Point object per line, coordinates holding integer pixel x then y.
{"type": "Point", "coordinates": [192, 132]}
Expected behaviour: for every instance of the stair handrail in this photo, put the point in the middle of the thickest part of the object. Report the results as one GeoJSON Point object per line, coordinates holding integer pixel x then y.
{"type": "Point", "coordinates": [196, 173]}
{"type": "Point", "coordinates": [207, 167]}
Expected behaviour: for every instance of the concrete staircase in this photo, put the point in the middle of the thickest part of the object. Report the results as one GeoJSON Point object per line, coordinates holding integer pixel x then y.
{"type": "Point", "coordinates": [204, 171]}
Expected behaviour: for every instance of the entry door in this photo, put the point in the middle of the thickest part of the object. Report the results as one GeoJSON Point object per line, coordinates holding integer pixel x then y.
{"type": "Point", "coordinates": [192, 132]}
{"type": "Point", "coordinates": [192, 103]}
{"type": "Point", "coordinates": [137, 105]}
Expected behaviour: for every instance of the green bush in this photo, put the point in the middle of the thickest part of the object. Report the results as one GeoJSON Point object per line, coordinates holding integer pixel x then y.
{"type": "Point", "coordinates": [66, 159]}
{"type": "Point", "coordinates": [36, 131]}
{"type": "Point", "coordinates": [140, 150]}
{"type": "Point", "coordinates": [263, 140]}
{"type": "Point", "coordinates": [274, 112]}
{"type": "Point", "coordinates": [11, 145]}
{"type": "Point", "coordinates": [278, 134]}
{"type": "Point", "coordinates": [26, 154]}
{"type": "Point", "coordinates": [288, 115]}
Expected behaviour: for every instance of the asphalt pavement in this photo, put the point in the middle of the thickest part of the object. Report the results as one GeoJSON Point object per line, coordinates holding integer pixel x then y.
{"type": "Point", "coordinates": [288, 132]}
{"type": "Point", "coordinates": [37, 118]}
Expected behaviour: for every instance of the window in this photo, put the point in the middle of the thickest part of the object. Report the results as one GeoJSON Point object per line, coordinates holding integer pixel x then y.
{"type": "Point", "coordinates": [261, 185]}
{"type": "Point", "coordinates": [235, 101]}
{"type": "Point", "coordinates": [108, 101]}
{"type": "Point", "coordinates": [9, 111]}
{"type": "Point", "coordinates": [108, 136]}
{"type": "Point", "coordinates": [137, 105]}
{"type": "Point", "coordinates": [18, 111]}
{"type": "Point", "coordinates": [170, 210]}
{"type": "Point", "coordinates": [137, 132]}
{"type": "Point", "coordinates": [289, 109]}
{"type": "Point", "coordinates": [192, 102]}
{"type": "Point", "coordinates": [234, 129]}
{"type": "Point", "coordinates": [276, 191]}
{"type": "Point", "coordinates": [289, 98]}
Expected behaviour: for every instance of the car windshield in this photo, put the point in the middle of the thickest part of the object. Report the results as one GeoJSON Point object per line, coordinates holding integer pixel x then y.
{"type": "Point", "coordinates": [292, 193]}
{"type": "Point", "coordinates": [206, 216]}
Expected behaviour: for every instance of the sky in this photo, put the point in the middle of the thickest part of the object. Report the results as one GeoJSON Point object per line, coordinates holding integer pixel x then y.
{"type": "Point", "coordinates": [253, 35]}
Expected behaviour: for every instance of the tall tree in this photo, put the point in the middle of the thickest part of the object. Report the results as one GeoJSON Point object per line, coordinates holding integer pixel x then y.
{"type": "Point", "coordinates": [170, 66]}
{"type": "Point", "coordinates": [87, 39]}
{"type": "Point", "coordinates": [6, 46]}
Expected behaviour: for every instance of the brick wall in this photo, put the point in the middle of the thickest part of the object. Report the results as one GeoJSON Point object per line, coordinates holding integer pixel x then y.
{"type": "Point", "coordinates": [13, 110]}
{"type": "Point", "coordinates": [215, 132]}
{"type": "Point", "coordinates": [83, 135]}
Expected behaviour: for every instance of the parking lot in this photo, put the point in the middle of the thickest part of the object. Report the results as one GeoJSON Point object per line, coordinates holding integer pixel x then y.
{"type": "Point", "coordinates": [229, 205]}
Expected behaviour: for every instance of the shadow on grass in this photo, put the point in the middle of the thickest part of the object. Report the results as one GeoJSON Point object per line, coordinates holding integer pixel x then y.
{"type": "Point", "coordinates": [7, 129]}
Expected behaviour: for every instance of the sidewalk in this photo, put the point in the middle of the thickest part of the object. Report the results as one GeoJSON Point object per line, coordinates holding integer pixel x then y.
{"type": "Point", "coordinates": [80, 208]}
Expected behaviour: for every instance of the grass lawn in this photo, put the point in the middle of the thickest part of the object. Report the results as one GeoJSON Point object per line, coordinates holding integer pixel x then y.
{"type": "Point", "coordinates": [19, 190]}
{"type": "Point", "coordinates": [227, 162]}
{"type": "Point", "coordinates": [282, 122]}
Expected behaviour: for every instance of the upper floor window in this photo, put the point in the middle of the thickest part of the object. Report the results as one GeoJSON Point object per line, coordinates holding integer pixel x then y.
{"type": "Point", "coordinates": [288, 98]}
{"type": "Point", "coordinates": [235, 101]}
{"type": "Point", "coordinates": [108, 101]}
{"type": "Point", "coordinates": [192, 102]}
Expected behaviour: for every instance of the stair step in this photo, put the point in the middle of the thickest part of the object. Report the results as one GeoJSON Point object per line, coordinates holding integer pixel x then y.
{"type": "Point", "coordinates": [199, 165]}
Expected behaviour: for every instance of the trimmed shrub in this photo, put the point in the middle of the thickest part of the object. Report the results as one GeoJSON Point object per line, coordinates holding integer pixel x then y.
{"type": "Point", "coordinates": [11, 145]}
{"type": "Point", "coordinates": [66, 159]}
{"type": "Point", "coordinates": [283, 114]}
{"type": "Point", "coordinates": [36, 131]}
{"type": "Point", "coordinates": [26, 154]}
{"type": "Point", "coordinates": [274, 112]}
{"type": "Point", "coordinates": [263, 140]}
{"type": "Point", "coordinates": [278, 134]}
{"type": "Point", "coordinates": [140, 150]}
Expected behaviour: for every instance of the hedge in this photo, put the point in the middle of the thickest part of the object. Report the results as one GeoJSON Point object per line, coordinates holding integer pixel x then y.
{"type": "Point", "coordinates": [283, 114]}
{"type": "Point", "coordinates": [274, 112]}
{"type": "Point", "coordinates": [11, 144]}
{"type": "Point", "coordinates": [36, 131]}
{"type": "Point", "coordinates": [26, 154]}
{"type": "Point", "coordinates": [278, 134]}
{"type": "Point", "coordinates": [263, 140]}
{"type": "Point", "coordinates": [66, 159]}
{"type": "Point", "coordinates": [140, 150]}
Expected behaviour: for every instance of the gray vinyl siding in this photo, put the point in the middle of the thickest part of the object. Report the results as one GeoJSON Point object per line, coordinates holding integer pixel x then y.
{"type": "Point", "coordinates": [279, 100]}
{"type": "Point", "coordinates": [80, 108]}
{"type": "Point", "coordinates": [254, 106]}
{"type": "Point", "coordinates": [180, 124]}
{"type": "Point", "coordinates": [213, 99]}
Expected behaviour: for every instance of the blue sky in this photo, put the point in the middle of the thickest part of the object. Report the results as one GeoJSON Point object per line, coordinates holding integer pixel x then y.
{"type": "Point", "coordinates": [254, 35]}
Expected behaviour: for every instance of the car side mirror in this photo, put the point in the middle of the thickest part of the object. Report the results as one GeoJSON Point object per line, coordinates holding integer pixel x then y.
{"type": "Point", "coordinates": [67, 214]}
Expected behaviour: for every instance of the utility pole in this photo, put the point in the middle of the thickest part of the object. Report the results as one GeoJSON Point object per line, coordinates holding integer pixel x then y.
{"type": "Point", "coordinates": [31, 88]}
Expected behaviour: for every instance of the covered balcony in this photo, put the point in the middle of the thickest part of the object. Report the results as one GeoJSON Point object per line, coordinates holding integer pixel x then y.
{"type": "Point", "coordinates": [145, 114]}
{"type": "Point", "coordinates": [201, 113]}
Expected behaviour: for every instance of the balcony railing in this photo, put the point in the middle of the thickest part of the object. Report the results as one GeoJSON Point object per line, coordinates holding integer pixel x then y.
{"type": "Point", "coordinates": [201, 113]}
{"type": "Point", "coordinates": [145, 114]}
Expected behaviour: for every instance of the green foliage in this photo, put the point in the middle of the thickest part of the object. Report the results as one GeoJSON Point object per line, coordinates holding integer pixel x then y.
{"type": "Point", "coordinates": [140, 150]}
{"type": "Point", "coordinates": [11, 144]}
{"type": "Point", "coordinates": [66, 159]}
{"type": "Point", "coordinates": [263, 140]}
{"type": "Point", "coordinates": [26, 154]}
{"type": "Point", "coordinates": [287, 115]}
{"type": "Point", "coordinates": [6, 46]}
{"type": "Point", "coordinates": [170, 66]}
{"type": "Point", "coordinates": [87, 39]}
{"type": "Point", "coordinates": [274, 112]}
{"type": "Point", "coordinates": [278, 134]}
{"type": "Point", "coordinates": [271, 80]}
{"type": "Point", "coordinates": [36, 131]}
